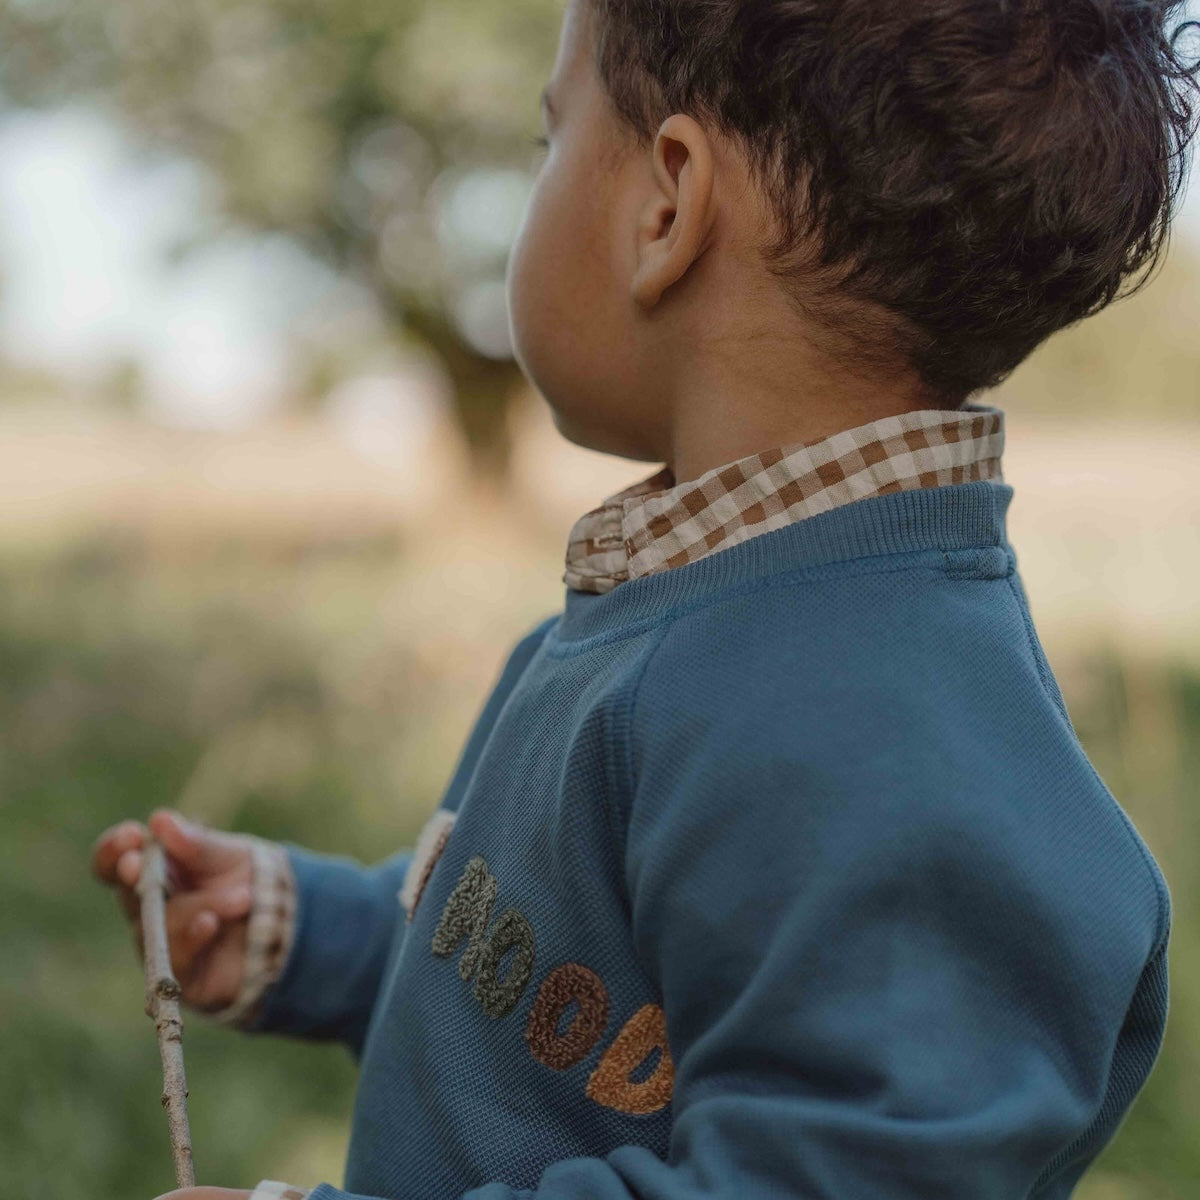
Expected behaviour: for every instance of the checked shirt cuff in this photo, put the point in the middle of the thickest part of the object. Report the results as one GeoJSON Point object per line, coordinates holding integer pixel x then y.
{"type": "Point", "coordinates": [268, 937]}
{"type": "Point", "coordinates": [272, 1189]}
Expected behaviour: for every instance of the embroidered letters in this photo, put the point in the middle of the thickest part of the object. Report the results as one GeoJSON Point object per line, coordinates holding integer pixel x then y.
{"type": "Point", "coordinates": [567, 983]}
{"type": "Point", "coordinates": [466, 914]}
{"type": "Point", "coordinates": [468, 910]}
{"type": "Point", "coordinates": [610, 1082]}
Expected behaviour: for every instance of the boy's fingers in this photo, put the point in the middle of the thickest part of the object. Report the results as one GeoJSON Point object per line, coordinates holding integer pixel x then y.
{"type": "Point", "coordinates": [113, 843]}
{"type": "Point", "coordinates": [230, 903]}
{"type": "Point", "coordinates": [185, 951]}
{"type": "Point", "coordinates": [200, 850]}
{"type": "Point", "coordinates": [116, 859]}
{"type": "Point", "coordinates": [226, 904]}
{"type": "Point", "coordinates": [193, 920]}
{"type": "Point", "coordinates": [204, 925]}
{"type": "Point", "coordinates": [129, 868]}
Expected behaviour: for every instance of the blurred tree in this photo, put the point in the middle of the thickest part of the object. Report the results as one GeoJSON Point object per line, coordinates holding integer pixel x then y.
{"type": "Point", "coordinates": [360, 129]}
{"type": "Point", "coordinates": [345, 124]}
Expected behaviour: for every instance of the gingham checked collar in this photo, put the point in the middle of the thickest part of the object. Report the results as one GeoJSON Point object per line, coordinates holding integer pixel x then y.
{"type": "Point", "coordinates": [658, 524]}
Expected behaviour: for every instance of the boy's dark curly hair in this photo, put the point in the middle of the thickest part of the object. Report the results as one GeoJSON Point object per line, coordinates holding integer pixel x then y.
{"type": "Point", "coordinates": [984, 171]}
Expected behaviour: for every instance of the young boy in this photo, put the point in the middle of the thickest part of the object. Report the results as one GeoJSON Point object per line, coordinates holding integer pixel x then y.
{"type": "Point", "coordinates": [773, 865]}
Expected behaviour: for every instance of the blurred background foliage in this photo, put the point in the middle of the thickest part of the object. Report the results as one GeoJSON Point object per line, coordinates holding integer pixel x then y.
{"type": "Point", "coordinates": [285, 621]}
{"type": "Point", "coordinates": [353, 128]}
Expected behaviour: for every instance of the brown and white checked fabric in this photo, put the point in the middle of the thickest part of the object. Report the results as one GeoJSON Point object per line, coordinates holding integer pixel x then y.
{"type": "Point", "coordinates": [268, 931]}
{"type": "Point", "coordinates": [658, 523]}
{"type": "Point", "coordinates": [272, 1189]}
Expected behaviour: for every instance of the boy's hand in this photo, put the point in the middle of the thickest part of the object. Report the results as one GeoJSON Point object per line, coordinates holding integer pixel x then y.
{"type": "Point", "coordinates": [209, 897]}
{"type": "Point", "coordinates": [206, 1193]}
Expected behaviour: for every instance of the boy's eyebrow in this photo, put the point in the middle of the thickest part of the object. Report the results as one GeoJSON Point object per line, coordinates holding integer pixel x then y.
{"type": "Point", "coordinates": [547, 103]}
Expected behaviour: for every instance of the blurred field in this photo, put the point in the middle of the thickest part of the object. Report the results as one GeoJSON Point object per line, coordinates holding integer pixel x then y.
{"type": "Point", "coordinates": [284, 638]}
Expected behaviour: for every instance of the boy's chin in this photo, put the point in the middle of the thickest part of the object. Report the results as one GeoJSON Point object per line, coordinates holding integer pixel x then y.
{"type": "Point", "coordinates": [589, 437]}
{"type": "Point", "coordinates": [572, 430]}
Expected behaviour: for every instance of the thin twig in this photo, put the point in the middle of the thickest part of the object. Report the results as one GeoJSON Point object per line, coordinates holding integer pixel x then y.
{"type": "Point", "coordinates": [162, 1004]}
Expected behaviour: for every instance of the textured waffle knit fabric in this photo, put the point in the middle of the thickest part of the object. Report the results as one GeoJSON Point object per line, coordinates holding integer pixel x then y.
{"type": "Point", "coordinates": [780, 872]}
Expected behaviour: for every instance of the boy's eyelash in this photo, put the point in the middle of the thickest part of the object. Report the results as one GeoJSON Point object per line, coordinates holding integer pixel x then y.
{"type": "Point", "coordinates": [540, 141]}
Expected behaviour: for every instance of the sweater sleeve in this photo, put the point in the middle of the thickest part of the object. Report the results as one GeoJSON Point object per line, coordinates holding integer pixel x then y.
{"type": "Point", "coordinates": [885, 967]}
{"type": "Point", "coordinates": [341, 936]}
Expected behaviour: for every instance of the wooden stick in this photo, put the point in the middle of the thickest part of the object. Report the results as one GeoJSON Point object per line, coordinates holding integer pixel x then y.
{"type": "Point", "coordinates": [162, 1004]}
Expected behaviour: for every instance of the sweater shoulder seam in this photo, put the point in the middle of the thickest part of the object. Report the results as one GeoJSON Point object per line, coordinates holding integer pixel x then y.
{"type": "Point", "coordinates": [634, 692]}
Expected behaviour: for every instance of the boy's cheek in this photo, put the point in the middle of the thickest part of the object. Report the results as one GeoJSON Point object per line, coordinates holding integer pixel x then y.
{"type": "Point", "coordinates": [540, 319]}
{"type": "Point", "coordinates": [524, 290]}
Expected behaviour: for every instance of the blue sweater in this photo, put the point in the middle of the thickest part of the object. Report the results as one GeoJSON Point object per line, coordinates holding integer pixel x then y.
{"type": "Point", "coordinates": [778, 874]}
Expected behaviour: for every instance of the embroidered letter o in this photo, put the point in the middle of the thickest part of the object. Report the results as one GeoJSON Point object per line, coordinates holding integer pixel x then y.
{"type": "Point", "coordinates": [570, 981]}
{"type": "Point", "coordinates": [610, 1085]}
{"type": "Point", "coordinates": [511, 929]}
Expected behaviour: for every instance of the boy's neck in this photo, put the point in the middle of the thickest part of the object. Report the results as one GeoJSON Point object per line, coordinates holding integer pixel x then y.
{"type": "Point", "coordinates": [720, 419]}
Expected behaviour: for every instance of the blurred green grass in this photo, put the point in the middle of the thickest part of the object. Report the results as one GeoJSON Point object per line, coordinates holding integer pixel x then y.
{"type": "Point", "coordinates": [273, 693]}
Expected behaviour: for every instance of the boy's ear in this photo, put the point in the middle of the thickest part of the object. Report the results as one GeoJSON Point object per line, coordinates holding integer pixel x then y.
{"type": "Point", "coordinates": [675, 223]}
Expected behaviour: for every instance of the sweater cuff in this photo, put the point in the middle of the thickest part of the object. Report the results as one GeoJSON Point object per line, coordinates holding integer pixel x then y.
{"type": "Point", "coordinates": [268, 933]}
{"type": "Point", "coordinates": [345, 916]}
{"type": "Point", "coordinates": [272, 1189]}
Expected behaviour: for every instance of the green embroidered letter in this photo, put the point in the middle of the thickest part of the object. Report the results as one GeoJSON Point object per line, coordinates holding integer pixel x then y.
{"type": "Point", "coordinates": [468, 910]}
{"type": "Point", "coordinates": [499, 999]}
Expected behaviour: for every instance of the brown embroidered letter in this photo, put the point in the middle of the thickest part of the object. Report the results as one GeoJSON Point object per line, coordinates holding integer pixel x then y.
{"type": "Point", "coordinates": [610, 1085]}
{"type": "Point", "coordinates": [570, 981]}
